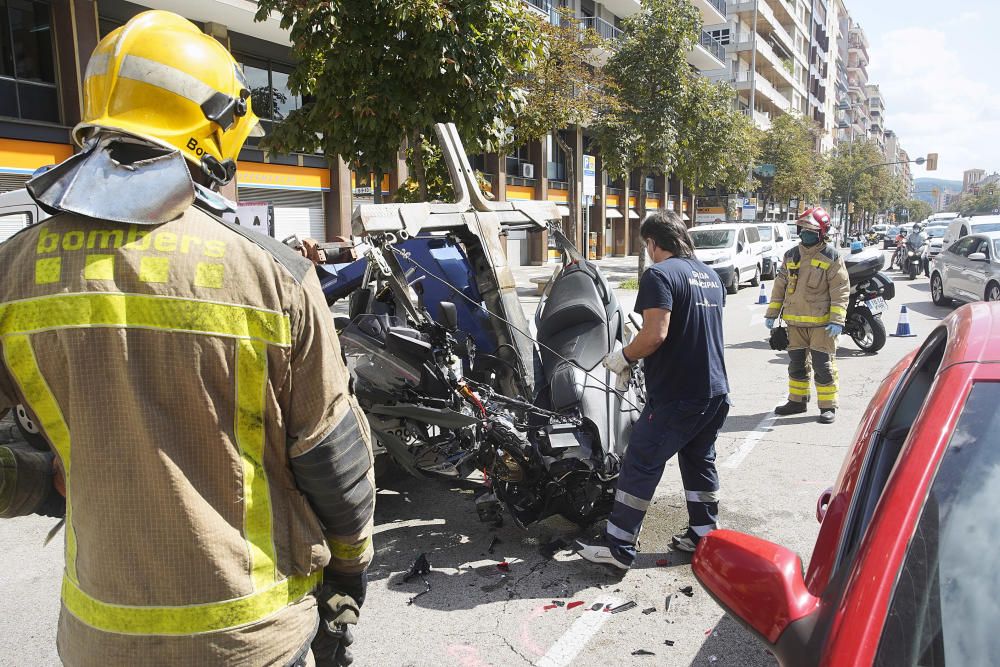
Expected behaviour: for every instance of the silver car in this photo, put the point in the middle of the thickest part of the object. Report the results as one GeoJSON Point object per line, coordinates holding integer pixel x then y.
{"type": "Point", "coordinates": [967, 270]}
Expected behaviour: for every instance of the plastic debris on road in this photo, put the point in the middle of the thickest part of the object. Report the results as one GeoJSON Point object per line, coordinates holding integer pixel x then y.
{"type": "Point", "coordinates": [624, 607]}
{"type": "Point", "coordinates": [503, 566]}
{"type": "Point", "coordinates": [649, 611]}
{"type": "Point", "coordinates": [575, 604]}
{"type": "Point", "coordinates": [663, 562]}
{"type": "Point", "coordinates": [688, 591]}
{"type": "Point", "coordinates": [642, 651]}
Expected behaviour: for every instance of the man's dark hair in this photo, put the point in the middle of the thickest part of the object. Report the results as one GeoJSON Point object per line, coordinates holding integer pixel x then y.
{"type": "Point", "coordinates": [669, 233]}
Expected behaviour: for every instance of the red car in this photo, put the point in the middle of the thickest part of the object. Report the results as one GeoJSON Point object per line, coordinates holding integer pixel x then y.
{"type": "Point", "coordinates": [905, 568]}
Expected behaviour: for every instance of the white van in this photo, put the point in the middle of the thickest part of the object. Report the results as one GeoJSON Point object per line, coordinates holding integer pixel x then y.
{"type": "Point", "coordinates": [774, 236]}
{"type": "Point", "coordinates": [17, 211]}
{"type": "Point", "coordinates": [732, 250]}
{"type": "Point", "coordinates": [960, 227]}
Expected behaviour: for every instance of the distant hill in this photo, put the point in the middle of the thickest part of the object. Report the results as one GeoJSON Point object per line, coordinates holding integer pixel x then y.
{"type": "Point", "coordinates": [923, 186]}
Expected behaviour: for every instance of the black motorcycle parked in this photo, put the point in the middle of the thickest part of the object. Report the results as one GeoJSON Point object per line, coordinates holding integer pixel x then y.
{"type": "Point", "coordinates": [870, 289]}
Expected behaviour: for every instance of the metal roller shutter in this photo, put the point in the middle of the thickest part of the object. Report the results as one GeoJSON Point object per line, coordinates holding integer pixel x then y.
{"type": "Point", "coordinates": [298, 212]}
{"type": "Point", "coordinates": [10, 182]}
{"type": "Point", "coordinates": [12, 223]}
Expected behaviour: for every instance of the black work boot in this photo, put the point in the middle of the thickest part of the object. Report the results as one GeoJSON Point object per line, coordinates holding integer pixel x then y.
{"type": "Point", "coordinates": [827, 415]}
{"type": "Point", "coordinates": [790, 408]}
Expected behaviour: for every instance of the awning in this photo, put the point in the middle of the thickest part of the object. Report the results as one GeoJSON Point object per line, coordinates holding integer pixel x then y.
{"type": "Point", "coordinates": [612, 213]}
{"type": "Point", "coordinates": [563, 210]}
{"type": "Point", "coordinates": [633, 214]}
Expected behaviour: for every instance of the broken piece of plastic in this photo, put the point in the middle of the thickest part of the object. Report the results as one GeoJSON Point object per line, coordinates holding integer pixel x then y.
{"type": "Point", "coordinates": [493, 544]}
{"type": "Point", "coordinates": [550, 606]}
{"type": "Point", "coordinates": [642, 651]}
{"type": "Point", "coordinates": [575, 604]}
{"type": "Point", "coordinates": [688, 591]}
{"type": "Point", "coordinates": [597, 606]}
{"type": "Point", "coordinates": [559, 603]}
{"type": "Point", "coordinates": [624, 607]}
{"type": "Point", "coordinates": [649, 611]}
{"type": "Point", "coordinates": [420, 567]}
{"type": "Point", "coordinates": [663, 562]}
{"type": "Point", "coordinates": [503, 566]}
{"type": "Point", "coordinates": [668, 642]}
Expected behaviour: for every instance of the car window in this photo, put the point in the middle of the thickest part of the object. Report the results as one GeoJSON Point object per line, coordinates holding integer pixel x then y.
{"type": "Point", "coordinates": [961, 247]}
{"type": "Point", "coordinates": [982, 246]}
{"type": "Point", "coordinates": [753, 235]}
{"type": "Point", "coordinates": [743, 237]}
{"type": "Point", "coordinates": [712, 239]}
{"type": "Point", "coordinates": [765, 233]}
{"type": "Point", "coordinates": [996, 248]}
{"type": "Point", "coordinates": [936, 232]}
{"type": "Point", "coordinates": [779, 233]}
{"type": "Point", "coordinates": [12, 223]}
{"type": "Point", "coordinates": [944, 607]}
{"type": "Point", "coordinates": [984, 227]}
{"type": "Point", "coordinates": [902, 409]}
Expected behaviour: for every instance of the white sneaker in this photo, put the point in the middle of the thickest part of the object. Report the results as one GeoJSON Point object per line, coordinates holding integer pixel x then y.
{"type": "Point", "coordinates": [601, 553]}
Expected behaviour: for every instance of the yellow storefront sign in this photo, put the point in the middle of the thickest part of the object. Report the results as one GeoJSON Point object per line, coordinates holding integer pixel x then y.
{"type": "Point", "coordinates": [24, 157]}
{"type": "Point", "coordinates": [281, 176]}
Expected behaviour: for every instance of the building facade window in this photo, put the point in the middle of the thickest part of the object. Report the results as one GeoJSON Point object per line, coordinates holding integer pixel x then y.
{"type": "Point", "coordinates": [27, 62]}
{"type": "Point", "coordinates": [270, 96]}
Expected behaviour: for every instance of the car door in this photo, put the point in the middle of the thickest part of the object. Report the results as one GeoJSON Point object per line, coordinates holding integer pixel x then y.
{"type": "Point", "coordinates": [977, 272]}
{"type": "Point", "coordinates": [743, 252]}
{"type": "Point", "coordinates": [953, 267]}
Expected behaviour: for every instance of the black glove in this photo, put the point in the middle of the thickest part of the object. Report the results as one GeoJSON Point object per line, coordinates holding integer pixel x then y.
{"type": "Point", "coordinates": [340, 599]}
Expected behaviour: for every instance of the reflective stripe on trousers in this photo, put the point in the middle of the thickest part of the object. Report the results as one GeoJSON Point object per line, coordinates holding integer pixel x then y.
{"type": "Point", "coordinates": [253, 330]}
{"type": "Point", "coordinates": [825, 368]}
{"type": "Point", "coordinates": [688, 429]}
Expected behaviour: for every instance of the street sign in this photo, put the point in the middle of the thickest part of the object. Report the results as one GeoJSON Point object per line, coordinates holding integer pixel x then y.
{"type": "Point", "coordinates": [589, 176]}
{"type": "Point", "coordinates": [765, 170]}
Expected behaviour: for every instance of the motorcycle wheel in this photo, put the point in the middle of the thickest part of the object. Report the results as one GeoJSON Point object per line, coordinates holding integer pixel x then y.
{"type": "Point", "coordinates": [866, 330]}
{"type": "Point", "coordinates": [913, 271]}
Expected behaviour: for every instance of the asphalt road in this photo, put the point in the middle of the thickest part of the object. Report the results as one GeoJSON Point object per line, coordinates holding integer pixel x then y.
{"type": "Point", "coordinates": [772, 473]}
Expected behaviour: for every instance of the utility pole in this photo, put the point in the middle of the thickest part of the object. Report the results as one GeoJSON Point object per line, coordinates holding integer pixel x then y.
{"type": "Point", "coordinates": [753, 83]}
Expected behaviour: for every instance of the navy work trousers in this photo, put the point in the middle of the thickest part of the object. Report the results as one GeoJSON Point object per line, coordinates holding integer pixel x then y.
{"type": "Point", "coordinates": [687, 428]}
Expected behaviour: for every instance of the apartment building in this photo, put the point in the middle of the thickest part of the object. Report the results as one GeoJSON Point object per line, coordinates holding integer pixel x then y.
{"type": "Point", "coordinates": [876, 115]}
{"type": "Point", "coordinates": [41, 99]}
{"type": "Point", "coordinates": [768, 46]}
{"type": "Point", "coordinates": [971, 177]}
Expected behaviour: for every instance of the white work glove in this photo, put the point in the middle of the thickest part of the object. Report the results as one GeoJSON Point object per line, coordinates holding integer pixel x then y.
{"type": "Point", "coordinates": [621, 367]}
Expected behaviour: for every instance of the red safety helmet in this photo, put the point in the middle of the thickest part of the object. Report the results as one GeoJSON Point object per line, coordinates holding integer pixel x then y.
{"type": "Point", "coordinates": [816, 219]}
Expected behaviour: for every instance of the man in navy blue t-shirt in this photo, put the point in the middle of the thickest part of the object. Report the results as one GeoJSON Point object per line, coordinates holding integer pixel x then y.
{"type": "Point", "coordinates": [681, 302]}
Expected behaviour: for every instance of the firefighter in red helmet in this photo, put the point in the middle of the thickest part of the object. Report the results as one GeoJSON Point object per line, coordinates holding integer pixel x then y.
{"type": "Point", "coordinates": [810, 294]}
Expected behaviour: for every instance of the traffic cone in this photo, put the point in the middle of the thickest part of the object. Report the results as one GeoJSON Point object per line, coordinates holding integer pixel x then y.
{"type": "Point", "coordinates": [903, 328]}
{"type": "Point", "coordinates": [762, 297]}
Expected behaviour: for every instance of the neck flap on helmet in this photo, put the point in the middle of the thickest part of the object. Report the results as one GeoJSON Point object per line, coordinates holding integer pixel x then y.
{"type": "Point", "coordinates": [120, 178]}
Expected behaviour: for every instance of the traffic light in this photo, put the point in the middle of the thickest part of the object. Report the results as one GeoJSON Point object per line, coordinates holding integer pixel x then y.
{"type": "Point", "coordinates": [932, 161]}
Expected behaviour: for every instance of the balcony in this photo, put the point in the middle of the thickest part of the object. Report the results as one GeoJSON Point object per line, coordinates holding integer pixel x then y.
{"type": "Point", "coordinates": [623, 8]}
{"type": "Point", "coordinates": [761, 119]}
{"type": "Point", "coordinates": [745, 81]}
{"type": "Point", "coordinates": [765, 14]}
{"type": "Point", "coordinates": [713, 12]}
{"type": "Point", "coordinates": [709, 54]}
{"type": "Point", "coordinates": [770, 57]}
{"type": "Point", "coordinates": [542, 6]}
{"type": "Point", "coordinates": [601, 27]}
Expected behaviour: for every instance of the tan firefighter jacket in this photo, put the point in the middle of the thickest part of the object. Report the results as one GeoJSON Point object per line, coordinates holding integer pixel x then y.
{"type": "Point", "coordinates": [811, 288]}
{"type": "Point", "coordinates": [179, 372]}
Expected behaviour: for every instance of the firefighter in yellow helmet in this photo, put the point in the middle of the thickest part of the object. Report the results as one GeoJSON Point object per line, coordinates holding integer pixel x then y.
{"type": "Point", "coordinates": [186, 373]}
{"type": "Point", "coordinates": [810, 294]}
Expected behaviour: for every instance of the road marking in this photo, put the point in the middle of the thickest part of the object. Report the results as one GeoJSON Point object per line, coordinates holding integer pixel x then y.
{"type": "Point", "coordinates": [749, 442]}
{"type": "Point", "coordinates": [565, 650]}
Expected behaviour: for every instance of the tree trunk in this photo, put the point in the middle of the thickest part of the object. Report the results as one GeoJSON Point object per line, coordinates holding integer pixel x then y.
{"type": "Point", "coordinates": [377, 186]}
{"type": "Point", "coordinates": [640, 200]}
{"type": "Point", "coordinates": [419, 172]}
{"type": "Point", "coordinates": [571, 179]}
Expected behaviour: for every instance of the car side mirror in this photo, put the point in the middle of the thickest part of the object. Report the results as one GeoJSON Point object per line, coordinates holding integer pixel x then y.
{"type": "Point", "coordinates": [449, 315]}
{"type": "Point", "coordinates": [758, 582]}
{"type": "Point", "coordinates": [978, 257]}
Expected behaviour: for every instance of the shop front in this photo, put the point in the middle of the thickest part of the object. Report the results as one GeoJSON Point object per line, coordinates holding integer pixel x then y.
{"type": "Point", "coordinates": [295, 193]}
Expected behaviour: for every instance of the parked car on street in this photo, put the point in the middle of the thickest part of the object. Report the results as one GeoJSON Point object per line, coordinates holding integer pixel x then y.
{"type": "Point", "coordinates": [960, 227]}
{"type": "Point", "coordinates": [900, 573]}
{"type": "Point", "coordinates": [889, 238]}
{"type": "Point", "coordinates": [776, 242]}
{"type": "Point", "coordinates": [968, 270]}
{"type": "Point", "coordinates": [728, 249]}
{"type": "Point", "coordinates": [793, 232]}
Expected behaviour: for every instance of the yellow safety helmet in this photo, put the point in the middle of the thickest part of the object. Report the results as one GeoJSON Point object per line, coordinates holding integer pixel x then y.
{"type": "Point", "coordinates": [159, 77]}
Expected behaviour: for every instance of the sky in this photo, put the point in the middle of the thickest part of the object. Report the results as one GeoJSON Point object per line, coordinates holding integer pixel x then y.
{"type": "Point", "coordinates": [938, 67]}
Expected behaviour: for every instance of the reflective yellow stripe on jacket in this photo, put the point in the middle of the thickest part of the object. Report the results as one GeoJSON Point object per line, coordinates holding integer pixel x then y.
{"type": "Point", "coordinates": [254, 330]}
{"type": "Point", "coordinates": [806, 319]}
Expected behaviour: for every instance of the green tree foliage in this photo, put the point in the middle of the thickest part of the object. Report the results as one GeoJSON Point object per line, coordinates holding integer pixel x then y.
{"type": "Point", "coordinates": [857, 169]}
{"type": "Point", "coordinates": [375, 73]}
{"type": "Point", "coordinates": [564, 89]}
{"type": "Point", "coordinates": [667, 117]}
{"type": "Point", "coordinates": [986, 200]}
{"type": "Point", "coordinates": [800, 172]}
{"type": "Point", "coordinates": [915, 210]}
{"type": "Point", "coordinates": [716, 146]}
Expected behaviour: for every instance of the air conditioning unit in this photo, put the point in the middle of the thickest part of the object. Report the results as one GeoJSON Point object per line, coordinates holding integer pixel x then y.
{"type": "Point", "coordinates": [527, 170]}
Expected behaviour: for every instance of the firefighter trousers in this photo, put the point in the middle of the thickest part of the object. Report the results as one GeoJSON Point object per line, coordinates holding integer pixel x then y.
{"type": "Point", "coordinates": [687, 428]}
{"type": "Point", "coordinates": [811, 350]}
